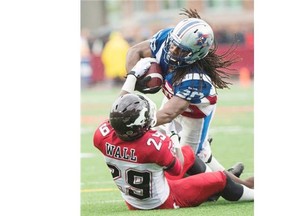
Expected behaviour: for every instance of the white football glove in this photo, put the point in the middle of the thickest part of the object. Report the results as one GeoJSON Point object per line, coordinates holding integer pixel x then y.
{"type": "Point", "coordinates": [142, 66]}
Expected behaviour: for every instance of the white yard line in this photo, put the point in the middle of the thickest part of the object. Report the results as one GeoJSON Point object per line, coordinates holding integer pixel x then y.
{"type": "Point", "coordinates": [232, 129]}
{"type": "Point", "coordinates": [87, 155]}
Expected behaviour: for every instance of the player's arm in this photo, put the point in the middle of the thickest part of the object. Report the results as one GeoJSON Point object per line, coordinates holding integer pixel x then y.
{"type": "Point", "coordinates": [136, 52]}
{"type": "Point", "coordinates": [177, 147]}
{"type": "Point", "coordinates": [176, 166]}
{"type": "Point", "coordinates": [174, 107]}
{"type": "Point", "coordinates": [137, 71]}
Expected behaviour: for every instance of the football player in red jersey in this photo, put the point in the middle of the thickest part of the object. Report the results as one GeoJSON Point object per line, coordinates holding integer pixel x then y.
{"type": "Point", "coordinates": [143, 162]}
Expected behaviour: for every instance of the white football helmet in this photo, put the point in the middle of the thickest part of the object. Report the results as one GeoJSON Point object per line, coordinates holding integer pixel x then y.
{"type": "Point", "coordinates": [193, 37]}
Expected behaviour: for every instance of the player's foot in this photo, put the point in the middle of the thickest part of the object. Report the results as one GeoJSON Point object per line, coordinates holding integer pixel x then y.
{"type": "Point", "coordinates": [237, 169]}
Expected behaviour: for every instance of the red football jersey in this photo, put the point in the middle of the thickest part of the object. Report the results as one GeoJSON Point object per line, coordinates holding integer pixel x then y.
{"type": "Point", "coordinates": [137, 167]}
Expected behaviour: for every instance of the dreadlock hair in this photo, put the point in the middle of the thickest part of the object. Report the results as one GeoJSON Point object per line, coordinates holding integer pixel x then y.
{"type": "Point", "coordinates": [190, 13]}
{"type": "Point", "coordinates": [215, 65]}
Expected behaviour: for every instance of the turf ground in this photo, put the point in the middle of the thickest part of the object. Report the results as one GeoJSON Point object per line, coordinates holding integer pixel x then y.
{"type": "Point", "coordinates": [233, 134]}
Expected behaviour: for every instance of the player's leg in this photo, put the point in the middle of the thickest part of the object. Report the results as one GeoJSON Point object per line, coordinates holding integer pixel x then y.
{"type": "Point", "coordinates": [196, 189]}
{"type": "Point", "coordinates": [249, 182]}
{"type": "Point", "coordinates": [195, 133]}
{"type": "Point", "coordinates": [237, 189]}
{"type": "Point", "coordinates": [200, 167]}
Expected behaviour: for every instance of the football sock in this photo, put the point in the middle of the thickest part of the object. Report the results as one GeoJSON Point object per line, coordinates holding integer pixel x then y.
{"type": "Point", "coordinates": [214, 164]}
{"type": "Point", "coordinates": [248, 194]}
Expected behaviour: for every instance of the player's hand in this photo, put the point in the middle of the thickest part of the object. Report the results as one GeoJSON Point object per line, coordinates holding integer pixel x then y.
{"type": "Point", "coordinates": [141, 86]}
{"type": "Point", "coordinates": [142, 66]}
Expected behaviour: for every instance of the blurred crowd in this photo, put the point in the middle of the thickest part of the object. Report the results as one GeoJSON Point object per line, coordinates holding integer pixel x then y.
{"type": "Point", "coordinates": [103, 57]}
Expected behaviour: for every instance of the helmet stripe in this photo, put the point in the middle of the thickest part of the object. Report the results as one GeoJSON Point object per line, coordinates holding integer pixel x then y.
{"type": "Point", "coordinates": [185, 28]}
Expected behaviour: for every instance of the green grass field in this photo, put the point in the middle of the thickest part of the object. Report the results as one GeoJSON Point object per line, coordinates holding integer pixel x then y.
{"type": "Point", "coordinates": [233, 135]}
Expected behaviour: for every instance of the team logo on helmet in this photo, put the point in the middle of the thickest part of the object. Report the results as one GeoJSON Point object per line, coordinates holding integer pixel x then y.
{"type": "Point", "coordinates": [202, 40]}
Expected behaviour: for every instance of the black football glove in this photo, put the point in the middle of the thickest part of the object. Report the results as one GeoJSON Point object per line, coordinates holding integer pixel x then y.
{"type": "Point", "coordinates": [141, 86]}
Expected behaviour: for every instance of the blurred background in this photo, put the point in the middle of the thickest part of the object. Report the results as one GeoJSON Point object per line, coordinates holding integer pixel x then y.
{"type": "Point", "coordinates": [110, 27]}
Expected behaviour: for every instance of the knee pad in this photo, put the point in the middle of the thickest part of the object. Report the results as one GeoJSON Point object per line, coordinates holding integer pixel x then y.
{"type": "Point", "coordinates": [232, 191]}
{"type": "Point", "coordinates": [198, 167]}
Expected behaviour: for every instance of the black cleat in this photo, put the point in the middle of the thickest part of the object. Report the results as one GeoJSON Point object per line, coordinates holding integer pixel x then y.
{"type": "Point", "coordinates": [237, 169]}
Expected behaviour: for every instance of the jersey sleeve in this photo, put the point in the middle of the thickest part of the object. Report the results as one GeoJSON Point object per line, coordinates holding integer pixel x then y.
{"type": "Point", "coordinates": [158, 39]}
{"type": "Point", "coordinates": [175, 168]}
{"type": "Point", "coordinates": [193, 89]}
{"type": "Point", "coordinates": [101, 133]}
{"type": "Point", "coordinates": [163, 153]}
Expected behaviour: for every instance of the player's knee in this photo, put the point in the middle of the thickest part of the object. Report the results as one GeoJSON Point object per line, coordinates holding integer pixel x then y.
{"type": "Point", "coordinates": [232, 191]}
{"type": "Point", "coordinates": [198, 167]}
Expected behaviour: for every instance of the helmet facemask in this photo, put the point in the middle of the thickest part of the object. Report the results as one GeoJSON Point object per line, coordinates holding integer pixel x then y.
{"type": "Point", "coordinates": [179, 59]}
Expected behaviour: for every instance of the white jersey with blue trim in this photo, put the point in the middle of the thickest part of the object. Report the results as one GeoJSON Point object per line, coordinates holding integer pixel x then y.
{"type": "Point", "coordinates": [195, 87]}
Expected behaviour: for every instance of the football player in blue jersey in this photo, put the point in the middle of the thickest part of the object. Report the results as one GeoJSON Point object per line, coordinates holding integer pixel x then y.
{"type": "Point", "coordinates": [192, 71]}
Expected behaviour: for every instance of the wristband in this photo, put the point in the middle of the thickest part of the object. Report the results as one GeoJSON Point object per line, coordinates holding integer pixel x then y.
{"type": "Point", "coordinates": [129, 84]}
{"type": "Point", "coordinates": [132, 73]}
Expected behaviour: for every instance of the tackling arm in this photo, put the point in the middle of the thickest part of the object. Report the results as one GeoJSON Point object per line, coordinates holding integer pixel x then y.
{"type": "Point", "coordinates": [174, 107]}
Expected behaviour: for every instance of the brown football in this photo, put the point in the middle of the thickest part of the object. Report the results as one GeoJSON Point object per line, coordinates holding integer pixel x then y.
{"type": "Point", "coordinates": [156, 76]}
